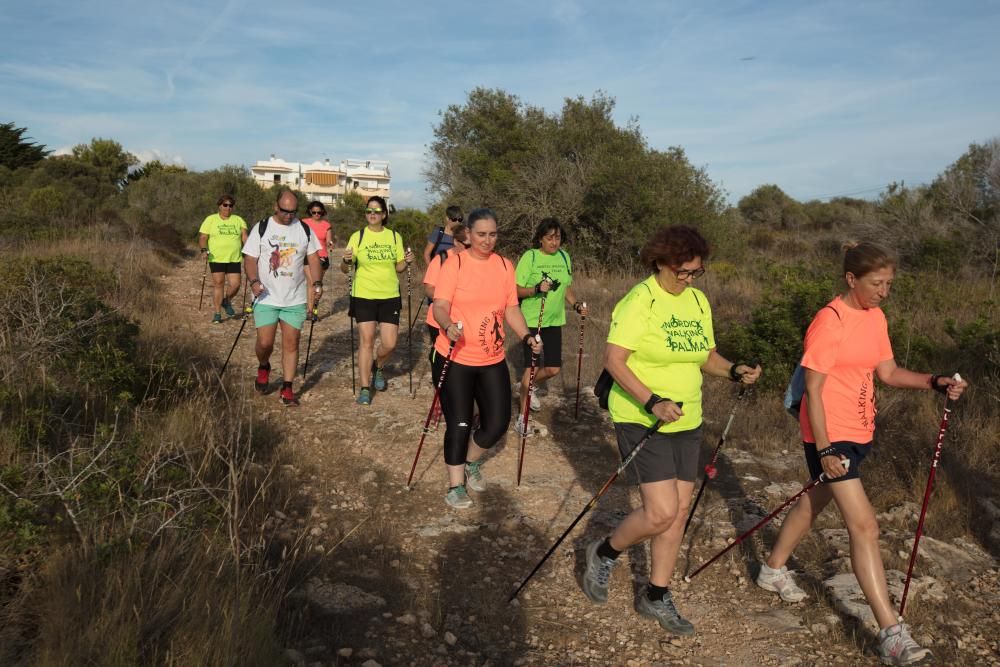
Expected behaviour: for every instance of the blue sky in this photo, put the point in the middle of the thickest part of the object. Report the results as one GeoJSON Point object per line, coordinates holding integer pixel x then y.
{"type": "Point", "coordinates": [821, 98]}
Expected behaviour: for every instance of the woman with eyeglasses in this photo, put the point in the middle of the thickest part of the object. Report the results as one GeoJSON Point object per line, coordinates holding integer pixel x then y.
{"type": "Point", "coordinates": [478, 289]}
{"type": "Point", "coordinates": [321, 228]}
{"type": "Point", "coordinates": [545, 273]}
{"type": "Point", "coordinates": [222, 236]}
{"type": "Point", "coordinates": [378, 257]}
{"type": "Point", "coordinates": [846, 347]}
{"type": "Point", "coordinates": [660, 343]}
{"type": "Point", "coordinates": [442, 239]}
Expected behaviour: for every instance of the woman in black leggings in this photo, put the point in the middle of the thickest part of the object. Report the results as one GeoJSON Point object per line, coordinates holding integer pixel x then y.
{"type": "Point", "coordinates": [476, 288]}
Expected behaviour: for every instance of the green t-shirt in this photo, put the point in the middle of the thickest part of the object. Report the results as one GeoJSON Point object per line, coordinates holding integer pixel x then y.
{"type": "Point", "coordinates": [670, 338]}
{"type": "Point", "coordinates": [225, 237]}
{"type": "Point", "coordinates": [375, 274]}
{"type": "Point", "coordinates": [529, 272]}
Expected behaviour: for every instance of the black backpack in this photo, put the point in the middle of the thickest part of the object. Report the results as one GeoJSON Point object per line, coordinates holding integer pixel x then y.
{"type": "Point", "coordinates": [262, 226]}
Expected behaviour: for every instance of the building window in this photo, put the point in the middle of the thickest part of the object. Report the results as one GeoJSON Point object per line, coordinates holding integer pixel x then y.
{"type": "Point", "coordinates": [277, 178]}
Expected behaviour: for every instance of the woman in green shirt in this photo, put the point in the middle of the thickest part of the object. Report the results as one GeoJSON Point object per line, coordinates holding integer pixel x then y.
{"type": "Point", "coordinates": [660, 342]}
{"type": "Point", "coordinates": [545, 272]}
{"type": "Point", "coordinates": [378, 256]}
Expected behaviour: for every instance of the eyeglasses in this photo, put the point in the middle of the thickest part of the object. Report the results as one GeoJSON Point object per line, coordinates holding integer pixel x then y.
{"type": "Point", "coordinates": [316, 212]}
{"type": "Point", "coordinates": [684, 274]}
{"type": "Point", "coordinates": [458, 219]}
{"type": "Point", "coordinates": [369, 211]}
{"type": "Point", "coordinates": [225, 205]}
{"type": "Point", "coordinates": [285, 211]}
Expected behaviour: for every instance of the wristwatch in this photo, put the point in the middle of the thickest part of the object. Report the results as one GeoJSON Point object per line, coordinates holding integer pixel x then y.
{"type": "Point", "coordinates": [317, 283]}
{"type": "Point", "coordinates": [653, 400]}
{"type": "Point", "coordinates": [255, 281]}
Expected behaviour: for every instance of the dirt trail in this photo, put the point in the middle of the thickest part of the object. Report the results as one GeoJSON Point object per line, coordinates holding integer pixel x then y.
{"type": "Point", "coordinates": [407, 580]}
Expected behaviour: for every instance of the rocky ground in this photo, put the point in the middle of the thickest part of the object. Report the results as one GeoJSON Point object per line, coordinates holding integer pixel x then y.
{"type": "Point", "coordinates": [403, 579]}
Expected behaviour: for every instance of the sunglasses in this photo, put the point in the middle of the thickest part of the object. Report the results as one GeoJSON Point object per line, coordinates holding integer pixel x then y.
{"type": "Point", "coordinates": [316, 212]}
{"type": "Point", "coordinates": [458, 219]}
{"type": "Point", "coordinates": [286, 211]}
{"type": "Point", "coordinates": [369, 211]}
{"type": "Point", "coordinates": [225, 205]}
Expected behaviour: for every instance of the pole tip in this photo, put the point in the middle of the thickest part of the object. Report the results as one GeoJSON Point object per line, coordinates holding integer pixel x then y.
{"type": "Point", "coordinates": [459, 325]}
{"type": "Point", "coordinates": [687, 579]}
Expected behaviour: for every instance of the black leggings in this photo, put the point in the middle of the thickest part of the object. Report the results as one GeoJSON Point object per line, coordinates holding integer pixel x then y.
{"type": "Point", "coordinates": [489, 388]}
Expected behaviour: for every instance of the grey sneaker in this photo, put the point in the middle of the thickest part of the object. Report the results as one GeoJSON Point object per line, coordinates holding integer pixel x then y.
{"type": "Point", "coordinates": [780, 582]}
{"type": "Point", "coordinates": [597, 574]}
{"type": "Point", "coordinates": [521, 428]}
{"type": "Point", "coordinates": [458, 498]}
{"type": "Point", "coordinates": [379, 380]}
{"type": "Point", "coordinates": [896, 646]}
{"type": "Point", "coordinates": [665, 613]}
{"type": "Point", "coordinates": [535, 403]}
{"type": "Point", "coordinates": [474, 476]}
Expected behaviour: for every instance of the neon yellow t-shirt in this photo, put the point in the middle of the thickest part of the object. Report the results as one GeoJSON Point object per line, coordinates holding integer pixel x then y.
{"type": "Point", "coordinates": [375, 274]}
{"type": "Point", "coordinates": [530, 269]}
{"type": "Point", "coordinates": [670, 338]}
{"type": "Point", "coordinates": [225, 237]}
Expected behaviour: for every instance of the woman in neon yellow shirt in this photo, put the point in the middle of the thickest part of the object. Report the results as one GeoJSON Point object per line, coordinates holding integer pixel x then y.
{"type": "Point", "coordinates": [661, 341]}
{"type": "Point", "coordinates": [378, 256]}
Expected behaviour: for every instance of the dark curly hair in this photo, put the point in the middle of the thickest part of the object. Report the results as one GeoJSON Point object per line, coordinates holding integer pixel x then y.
{"type": "Point", "coordinates": [545, 227]}
{"type": "Point", "coordinates": [672, 245]}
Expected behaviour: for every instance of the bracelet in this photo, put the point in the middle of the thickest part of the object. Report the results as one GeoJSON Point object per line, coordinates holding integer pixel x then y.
{"type": "Point", "coordinates": [346, 260]}
{"type": "Point", "coordinates": [576, 306]}
{"type": "Point", "coordinates": [733, 375]}
{"type": "Point", "coordinates": [318, 283]}
{"type": "Point", "coordinates": [527, 339]}
{"type": "Point", "coordinates": [829, 451]}
{"type": "Point", "coordinates": [941, 389]}
{"type": "Point", "coordinates": [538, 287]}
{"type": "Point", "coordinates": [204, 249]}
{"type": "Point", "coordinates": [653, 400]}
{"type": "Point", "coordinates": [255, 281]}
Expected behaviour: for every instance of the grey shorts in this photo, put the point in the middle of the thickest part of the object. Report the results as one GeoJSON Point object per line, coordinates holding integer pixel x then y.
{"type": "Point", "coordinates": [664, 456]}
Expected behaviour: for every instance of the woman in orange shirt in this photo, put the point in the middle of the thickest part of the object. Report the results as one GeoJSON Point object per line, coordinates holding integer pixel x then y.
{"type": "Point", "coordinates": [846, 347]}
{"type": "Point", "coordinates": [476, 288]}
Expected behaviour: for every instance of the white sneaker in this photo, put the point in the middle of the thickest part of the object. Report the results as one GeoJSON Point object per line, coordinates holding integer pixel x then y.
{"type": "Point", "coordinates": [536, 404]}
{"type": "Point", "coordinates": [896, 646]}
{"type": "Point", "coordinates": [521, 428]}
{"type": "Point", "coordinates": [780, 582]}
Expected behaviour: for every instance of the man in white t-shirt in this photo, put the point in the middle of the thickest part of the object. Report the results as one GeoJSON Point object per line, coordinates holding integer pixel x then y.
{"type": "Point", "coordinates": [279, 265]}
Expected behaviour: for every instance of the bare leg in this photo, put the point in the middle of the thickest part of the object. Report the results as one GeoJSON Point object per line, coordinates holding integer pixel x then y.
{"type": "Point", "coordinates": [658, 512]}
{"type": "Point", "coordinates": [866, 558]}
{"type": "Point", "coordinates": [797, 523]}
{"type": "Point", "coordinates": [388, 335]}
{"type": "Point", "coordinates": [265, 343]}
{"type": "Point", "coordinates": [233, 285]}
{"type": "Point", "coordinates": [218, 281]}
{"type": "Point", "coordinates": [289, 350]}
{"type": "Point", "coordinates": [541, 375]}
{"type": "Point", "coordinates": [663, 548]}
{"type": "Point", "coordinates": [366, 350]}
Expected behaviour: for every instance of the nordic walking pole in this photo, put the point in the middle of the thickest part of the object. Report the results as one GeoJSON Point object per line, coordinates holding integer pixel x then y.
{"type": "Point", "coordinates": [416, 317]}
{"type": "Point", "coordinates": [247, 311]}
{"type": "Point", "coordinates": [437, 394]}
{"type": "Point", "coordinates": [313, 316]}
{"type": "Point", "coordinates": [710, 466]}
{"type": "Point", "coordinates": [350, 316]}
{"type": "Point", "coordinates": [579, 364]}
{"type": "Point", "coordinates": [246, 283]}
{"type": "Point", "coordinates": [593, 501]}
{"type": "Point", "coordinates": [204, 275]}
{"type": "Point", "coordinates": [531, 387]}
{"type": "Point", "coordinates": [927, 496]}
{"type": "Point", "coordinates": [409, 311]}
{"type": "Point", "coordinates": [805, 489]}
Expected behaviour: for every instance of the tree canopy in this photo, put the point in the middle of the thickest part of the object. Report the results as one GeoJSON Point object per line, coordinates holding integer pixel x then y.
{"type": "Point", "coordinates": [18, 151]}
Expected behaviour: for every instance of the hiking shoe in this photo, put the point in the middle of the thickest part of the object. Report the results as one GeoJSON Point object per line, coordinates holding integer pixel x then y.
{"type": "Point", "coordinates": [217, 318]}
{"type": "Point", "coordinates": [780, 582]}
{"type": "Point", "coordinates": [458, 498]}
{"type": "Point", "coordinates": [474, 476]}
{"type": "Point", "coordinates": [664, 612]}
{"type": "Point", "coordinates": [228, 307]}
{"type": "Point", "coordinates": [521, 428]}
{"type": "Point", "coordinates": [534, 401]}
{"type": "Point", "coordinates": [896, 646]}
{"type": "Point", "coordinates": [263, 376]}
{"type": "Point", "coordinates": [288, 397]}
{"type": "Point", "coordinates": [379, 379]}
{"type": "Point", "coordinates": [364, 396]}
{"type": "Point", "coordinates": [597, 574]}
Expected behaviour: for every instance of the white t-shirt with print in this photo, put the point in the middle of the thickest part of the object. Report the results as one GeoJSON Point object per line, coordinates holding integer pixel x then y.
{"type": "Point", "coordinates": [281, 257]}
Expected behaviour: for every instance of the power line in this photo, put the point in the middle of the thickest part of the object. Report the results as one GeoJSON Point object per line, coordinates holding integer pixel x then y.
{"type": "Point", "coordinates": [874, 188]}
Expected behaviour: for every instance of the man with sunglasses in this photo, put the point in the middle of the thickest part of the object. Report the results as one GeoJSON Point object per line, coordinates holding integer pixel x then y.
{"type": "Point", "coordinates": [221, 235]}
{"type": "Point", "coordinates": [281, 258]}
{"type": "Point", "coordinates": [442, 239]}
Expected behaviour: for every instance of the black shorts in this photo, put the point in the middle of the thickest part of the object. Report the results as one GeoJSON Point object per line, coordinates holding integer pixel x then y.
{"type": "Point", "coordinates": [376, 310]}
{"type": "Point", "coordinates": [225, 267]}
{"type": "Point", "coordinates": [551, 356]}
{"type": "Point", "coordinates": [852, 450]}
{"type": "Point", "coordinates": [664, 456]}
{"type": "Point", "coordinates": [324, 262]}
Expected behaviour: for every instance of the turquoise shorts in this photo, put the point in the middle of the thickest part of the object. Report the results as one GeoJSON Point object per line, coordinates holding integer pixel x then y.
{"type": "Point", "coordinates": [267, 316]}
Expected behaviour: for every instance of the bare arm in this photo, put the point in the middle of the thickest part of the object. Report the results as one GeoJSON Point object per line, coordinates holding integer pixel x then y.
{"type": "Point", "coordinates": [718, 366]}
{"type": "Point", "coordinates": [895, 376]}
{"type": "Point", "coordinates": [615, 360]}
{"type": "Point", "coordinates": [515, 320]}
{"type": "Point", "coordinates": [203, 241]}
{"type": "Point", "coordinates": [427, 252]}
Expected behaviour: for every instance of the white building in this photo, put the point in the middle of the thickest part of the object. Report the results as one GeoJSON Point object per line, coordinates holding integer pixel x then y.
{"type": "Point", "coordinates": [324, 181]}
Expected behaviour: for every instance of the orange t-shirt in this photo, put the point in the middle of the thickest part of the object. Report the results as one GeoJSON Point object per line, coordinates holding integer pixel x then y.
{"type": "Point", "coordinates": [846, 344]}
{"type": "Point", "coordinates": [322, 230]}
{"type": "Point", "coordinates": [479, 291]}
{"type": "Point", "coordinates": [430, 278]}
